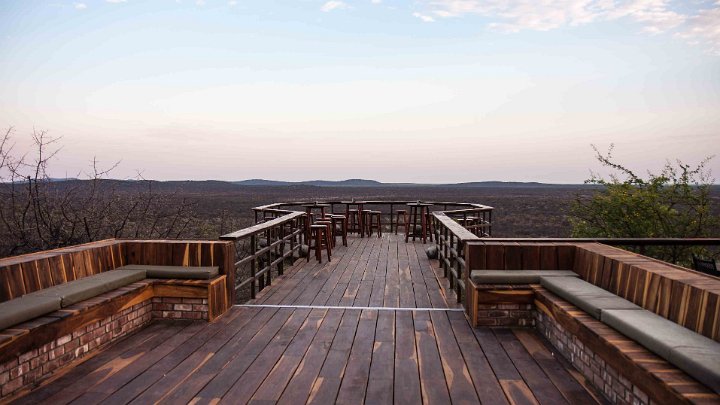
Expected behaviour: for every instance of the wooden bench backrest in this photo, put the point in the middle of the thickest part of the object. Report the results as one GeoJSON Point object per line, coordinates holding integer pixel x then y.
{"type": "Point", "coordinates": [24, 274]}
{"type": "Point", "coordinates": [685, 297]}
{"type": "Point", "coordinates": [32, 272]}
{"type": "Point", "coordinates": [520, 256]}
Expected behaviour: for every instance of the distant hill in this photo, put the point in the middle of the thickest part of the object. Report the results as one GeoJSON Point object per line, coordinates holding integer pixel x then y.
{"type": "Point", "coordinates": [317, 183]}
{"type": "Point", "coordinates": [374, 183]}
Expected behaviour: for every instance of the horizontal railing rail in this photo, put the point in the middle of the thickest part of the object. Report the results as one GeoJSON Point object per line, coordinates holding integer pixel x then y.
{"type": "Point", "coordinates": [389, 216]}
{"type": "Point", "coordinates": [620, 241]}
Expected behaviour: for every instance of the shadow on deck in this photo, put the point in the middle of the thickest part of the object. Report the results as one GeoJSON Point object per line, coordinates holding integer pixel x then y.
{"type": "Point", "coordinates": [397, 339]}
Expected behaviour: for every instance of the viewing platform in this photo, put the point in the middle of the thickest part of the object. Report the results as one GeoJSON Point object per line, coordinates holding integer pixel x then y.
{"type": "Point", "coordinates": [373, 326]}
{"type": "Point", "coordinates": [256, 317]}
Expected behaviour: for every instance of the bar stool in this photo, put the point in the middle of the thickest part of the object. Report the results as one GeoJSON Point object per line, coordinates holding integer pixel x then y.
{"type": "Point", "coordinates": [429, 223]}
{"type": "Point", "coordinates": [353, 221]}
{"type": "Point", "coordinates": [365, 221]}
{"type": "Point", "coordinates": [374, 222]}
{"type": "Point", "coordinates": [319, 233]}
{"type": "Point", "coordinates": [329, 225]}
{"type": "Point", "coordinates": [417, 221]}
{"type": "Point", "coordinates": [343, 230]}
{"type": "Point", "coordinates": [397, 220]}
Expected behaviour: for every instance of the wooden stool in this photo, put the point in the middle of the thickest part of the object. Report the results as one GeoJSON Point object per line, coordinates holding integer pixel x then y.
{"type": "Point", "coordinates": [365, 217]}
{"type": "Point", "coordinates": [374, 222]}
{"type": "Point", "coordinates": [343, 230]}
{"type": "Point", "coordinates": [417, 221]}
{"type": "Point", "coordinates": [397, 220]}
{"type": "Point", "coordinates": [429, 224]}
{"type": "Point", "coordinates": [329, 225]}
{"type": "Point", "coordinates": [320, 233]}
{"type": "Point", "coordinates": [353, 221]}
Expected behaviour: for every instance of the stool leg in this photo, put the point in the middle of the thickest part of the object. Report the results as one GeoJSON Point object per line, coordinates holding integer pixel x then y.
{"type": "Point", "coordinates": [327, 246]}
{"type": "Point", "coordinates": [318, 251]}
{"type": "Point", "coordinates": [407, 234]}
{"type": "Point", "coordinates": [344, 232]}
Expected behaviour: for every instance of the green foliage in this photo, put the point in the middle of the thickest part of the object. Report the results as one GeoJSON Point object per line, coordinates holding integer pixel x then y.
{"type": "Point", "coordinates": [674, 203]}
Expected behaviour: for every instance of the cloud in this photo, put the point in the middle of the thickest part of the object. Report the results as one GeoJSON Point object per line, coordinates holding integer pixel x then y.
{"type": "Point", "coordinates": [425, 18]}
{"type": "Point", "coordinates": [376, 1]}
{"type": "Point", "coordinates": [232, 3]}
{"type": "Point", "coordinates": [703, 29]}
{"type": "Point", "coordinates": [333, 5]}
{"type": "Point", "coordinates": [116, 1]}
{"type": "Point", "coordinates": [654, 16]}
{"type": "Point", "coordinates": [80, 6]}
{"type": "Point", "coordinates": [200, 2]}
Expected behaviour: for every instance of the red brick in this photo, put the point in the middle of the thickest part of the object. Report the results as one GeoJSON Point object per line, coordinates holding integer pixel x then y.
{"type": "Point", "coordinates": [12, 386]}
{"type": "Point", "coordinates": [192, 301]}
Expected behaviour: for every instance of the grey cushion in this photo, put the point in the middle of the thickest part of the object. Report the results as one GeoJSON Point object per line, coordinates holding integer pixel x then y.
{"type": "Point", "coordinates": [26, 308]}
{"type": "Point", "coordinates": [516, 276]}
{"type": "Point", "coordinates": [701, 360]}
{"type": "Point", "coordinates": [691, 352]}
{"type": "Point", "coordinates": [586, 296]}
{"type": "Point", "coordinates": [201, 273]}
{"type": "Point", "coordinates": [91, 286]}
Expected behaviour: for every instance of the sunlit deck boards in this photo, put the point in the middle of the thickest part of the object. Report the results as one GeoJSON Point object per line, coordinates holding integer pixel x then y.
{"type": "Point", "coordinates": [325, 355]}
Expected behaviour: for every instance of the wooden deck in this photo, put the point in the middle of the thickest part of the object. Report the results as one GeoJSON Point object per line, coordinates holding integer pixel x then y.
{"type": "Point", "coordinates": [283, 352]}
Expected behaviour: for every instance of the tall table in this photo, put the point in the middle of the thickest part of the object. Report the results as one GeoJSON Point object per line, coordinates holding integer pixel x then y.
{"type": "Point", "coordinates": [418, 209]}
{"type": "Point", "coordinates": [359, 205]}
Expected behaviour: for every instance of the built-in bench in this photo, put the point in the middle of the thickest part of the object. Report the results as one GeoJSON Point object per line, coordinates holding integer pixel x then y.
{"type": "Point", "coordinates": [47, 300]}
{"type": "Point", "coordinates": [58, 306]}
{"type": "Point", "coordinates": [625, 348]}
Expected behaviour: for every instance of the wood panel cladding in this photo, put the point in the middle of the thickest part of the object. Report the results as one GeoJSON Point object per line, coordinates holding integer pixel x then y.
{"type": "Point", "coordinates": [32, 272]}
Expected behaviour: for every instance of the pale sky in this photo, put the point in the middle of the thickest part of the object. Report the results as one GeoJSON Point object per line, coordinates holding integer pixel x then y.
{"type": "Point", "coordinates": [429, 91]}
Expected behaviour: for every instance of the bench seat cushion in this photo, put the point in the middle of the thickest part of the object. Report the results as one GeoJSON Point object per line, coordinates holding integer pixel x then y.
{"type": "Point", "coordinates": [91, 286]}
{"type": "Point", "coordinates": [693, 353]}
{"type": "Point", "coordinates": [516, 276]}
{"type": "Point", "coordinates": [586, 296]}
{"type": "Point", "coordinates": [182, 272]}
{"type": "Point", "coordinates": [25, 308]}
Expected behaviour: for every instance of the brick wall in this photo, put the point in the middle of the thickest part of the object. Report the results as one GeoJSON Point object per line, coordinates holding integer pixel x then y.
{"type": "Point", "coordinates": [30, 367]}
{"type": "Point", "coordinates": [506, 315]}
{"type": "Point", "coordinates": [180, 308]}
{"type": "Point", "coordinates": [613, 385]}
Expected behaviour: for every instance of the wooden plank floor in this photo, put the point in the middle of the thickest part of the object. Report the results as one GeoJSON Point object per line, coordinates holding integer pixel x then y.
{"type": "Point", "coordinates": [322, 355]}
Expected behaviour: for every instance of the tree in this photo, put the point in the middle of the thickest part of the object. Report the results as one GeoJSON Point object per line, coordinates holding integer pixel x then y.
{"type": "Point", "coordinates": [38, 212]}
{"type": "Point", "coordinates": [675, 203]}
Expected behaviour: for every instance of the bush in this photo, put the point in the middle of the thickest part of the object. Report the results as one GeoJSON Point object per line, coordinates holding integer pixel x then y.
{"type": "Point", "coordinates": [675, 203]}
{"type": "Point", "coordinates": [39, 213]}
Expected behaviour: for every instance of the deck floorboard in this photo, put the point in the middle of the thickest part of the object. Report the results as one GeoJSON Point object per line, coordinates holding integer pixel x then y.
{"type": "Point", "coordinates": [293, 355]}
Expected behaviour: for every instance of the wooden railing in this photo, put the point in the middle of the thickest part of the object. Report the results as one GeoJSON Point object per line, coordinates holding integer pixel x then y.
{"type": "Point", "coordinates": [389, 210]}
{"type": "Point", "coordinates": [450, 238]}
{"type": "Point", "coordinates": [263, 247]}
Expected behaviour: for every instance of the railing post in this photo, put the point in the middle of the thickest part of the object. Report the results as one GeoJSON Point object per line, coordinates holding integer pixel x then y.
{"type": "Point", "coordinates": [253, 264]}
{"type": "Point", "coordinates": [293, 227]}
{"type": "Point", "coordinates": [459, 270]}
{"type": "Point", "coordinates": [268, 258]}
{"type": "Point", "coordinates": [281, 263]}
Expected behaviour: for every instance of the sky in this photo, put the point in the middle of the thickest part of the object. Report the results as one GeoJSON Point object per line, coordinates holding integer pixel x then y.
{"type": "Point", "coordinates": [431, 91]}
